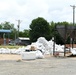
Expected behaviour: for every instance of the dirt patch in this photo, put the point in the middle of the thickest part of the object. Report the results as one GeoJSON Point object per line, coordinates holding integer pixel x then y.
{"type": "Point", "coordinates": [10, 57]}
{"type": "Point", "coordinates": [15, 57]}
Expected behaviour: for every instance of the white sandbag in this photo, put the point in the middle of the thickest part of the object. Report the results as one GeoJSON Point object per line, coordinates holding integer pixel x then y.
{"type": "Point", "coordinates": [39, 54]}
{"type": "Point", "coordinates": [61, 54]}
{"type": "Point", "coordinates": [0, 51]}
{"type": "Point", "coordinates": [13, 51]}
{"type": "Point", "coordinates": [73, 51]}
{"type": "Point", "coordinates": [28, 55]}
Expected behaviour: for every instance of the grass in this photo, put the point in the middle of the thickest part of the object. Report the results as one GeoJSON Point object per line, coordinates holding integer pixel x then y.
{"type": "Point", "coordinates": [10, 47]}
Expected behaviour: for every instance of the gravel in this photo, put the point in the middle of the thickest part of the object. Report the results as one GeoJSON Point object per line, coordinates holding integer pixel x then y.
{"type": "Point", "coordinates": [46, 66]}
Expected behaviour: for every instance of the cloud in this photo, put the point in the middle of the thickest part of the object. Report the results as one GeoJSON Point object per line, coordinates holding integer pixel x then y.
{"type": "Point", "coordinates": [27, 10]}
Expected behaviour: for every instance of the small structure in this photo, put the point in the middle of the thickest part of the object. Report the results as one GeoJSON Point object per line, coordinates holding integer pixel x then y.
{"type": "Point", "coordinates": [3, 39]}
{"type": "Point", "coordinates": [22, 41]}
{"type": "Point", "coordinates": [66, 31]}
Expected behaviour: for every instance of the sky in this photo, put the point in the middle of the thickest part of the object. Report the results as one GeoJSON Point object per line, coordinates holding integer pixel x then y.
{"type": "Point", "coordinates": [27, 10]}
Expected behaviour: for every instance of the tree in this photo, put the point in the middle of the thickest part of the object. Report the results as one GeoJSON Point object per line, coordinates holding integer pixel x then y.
{"type": "Point", "coordinates": [0, 26]}
{"type": "Point", "coordinates": [24, 33]}
{"type": "Point", "coordinates": [10, 26]}
{"type": "Point", "coordinates": [52, 28]}
{"type": "Point", "coordinates": [7, 25]}
{"type": "Point", "coordinates": [13, 34]}
{"type": "Point", "coordinates": [39, 28]}
{"type": "Point", "coordinates": [55, 33]}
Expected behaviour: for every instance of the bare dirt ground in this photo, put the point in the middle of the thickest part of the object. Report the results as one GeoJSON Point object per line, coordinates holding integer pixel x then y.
{"type": "Point", "coordinates": [18, 57]}
{"type": "Point", "coordinates": [10, 57]}
{"type": "Point", "coordinates": [48, 66]}
{"type": "Point", "coordinates": [14, 57]}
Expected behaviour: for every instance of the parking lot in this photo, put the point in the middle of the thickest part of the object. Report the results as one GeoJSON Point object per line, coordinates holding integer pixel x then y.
{"type": "Point", "coordinates": [47, 66]}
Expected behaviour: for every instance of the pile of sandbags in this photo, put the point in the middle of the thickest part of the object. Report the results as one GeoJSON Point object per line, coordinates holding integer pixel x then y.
{"type": "Point", "coordinates": [38, 49]}
{"type": "Point", "coordinates": [32, 53]}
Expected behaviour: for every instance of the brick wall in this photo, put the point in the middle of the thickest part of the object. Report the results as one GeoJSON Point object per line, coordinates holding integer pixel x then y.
{"type": "Point", "coordinates": [2, 41]}
{"type": "Point", "coordinates": [70, 45]}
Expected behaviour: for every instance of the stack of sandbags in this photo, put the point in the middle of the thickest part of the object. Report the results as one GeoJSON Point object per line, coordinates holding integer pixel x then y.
{"type": "Point", "coordinates": [28, 55]}
{"type": "Point", "coordinates": [73, 51]}
{"type": "Point", "coordinates": [33, 53]}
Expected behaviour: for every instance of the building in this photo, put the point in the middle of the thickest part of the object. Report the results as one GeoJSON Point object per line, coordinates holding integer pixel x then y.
{"type": "Point", "coordinates": [3, 39]}
{"type": "Point", "coordinates": [22, 41]}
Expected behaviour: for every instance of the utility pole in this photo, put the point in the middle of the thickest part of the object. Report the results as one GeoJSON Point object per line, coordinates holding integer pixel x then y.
{"type": "Point", "coordinates": [18, 26]}
{"type": "Point", "coordinates": [73, 6]}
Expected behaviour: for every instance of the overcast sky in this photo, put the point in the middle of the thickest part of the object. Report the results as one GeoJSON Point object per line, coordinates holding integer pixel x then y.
{"type": "Point", "coordinates": [27, 10]}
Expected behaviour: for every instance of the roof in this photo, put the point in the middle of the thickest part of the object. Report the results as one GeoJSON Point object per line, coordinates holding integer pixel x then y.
{"type": "Point", "coordinates": [5, 31]}
{"type": "Point", "coordinates": [23, 38]}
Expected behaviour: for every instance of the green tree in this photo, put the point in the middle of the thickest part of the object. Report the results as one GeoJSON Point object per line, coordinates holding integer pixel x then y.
{"type": "Point", "coordinates": [13, 34]}
{"type": "Point", "coordinates": [24, 33]}
{"type": "Point", "coordinates": [10, 26]}
{"type": "Point", "coordinates": [52, 28]}
{"type": "Point", "coordinates": [62, 23]}
{"type": "Point", "coordinates": [55, 33]}
{"type": "Point", "coordinates": [7, 25]}
{"type": "Point", "coordinates": [39, 28]}
{"type": "Point", "coordinates": [21, 34]}
{"type": "Point", "coordinates": [0, 26]}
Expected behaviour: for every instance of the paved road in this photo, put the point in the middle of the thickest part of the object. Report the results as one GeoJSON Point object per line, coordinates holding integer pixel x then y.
{"type": "Point", "coordinates": [47, 66]}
